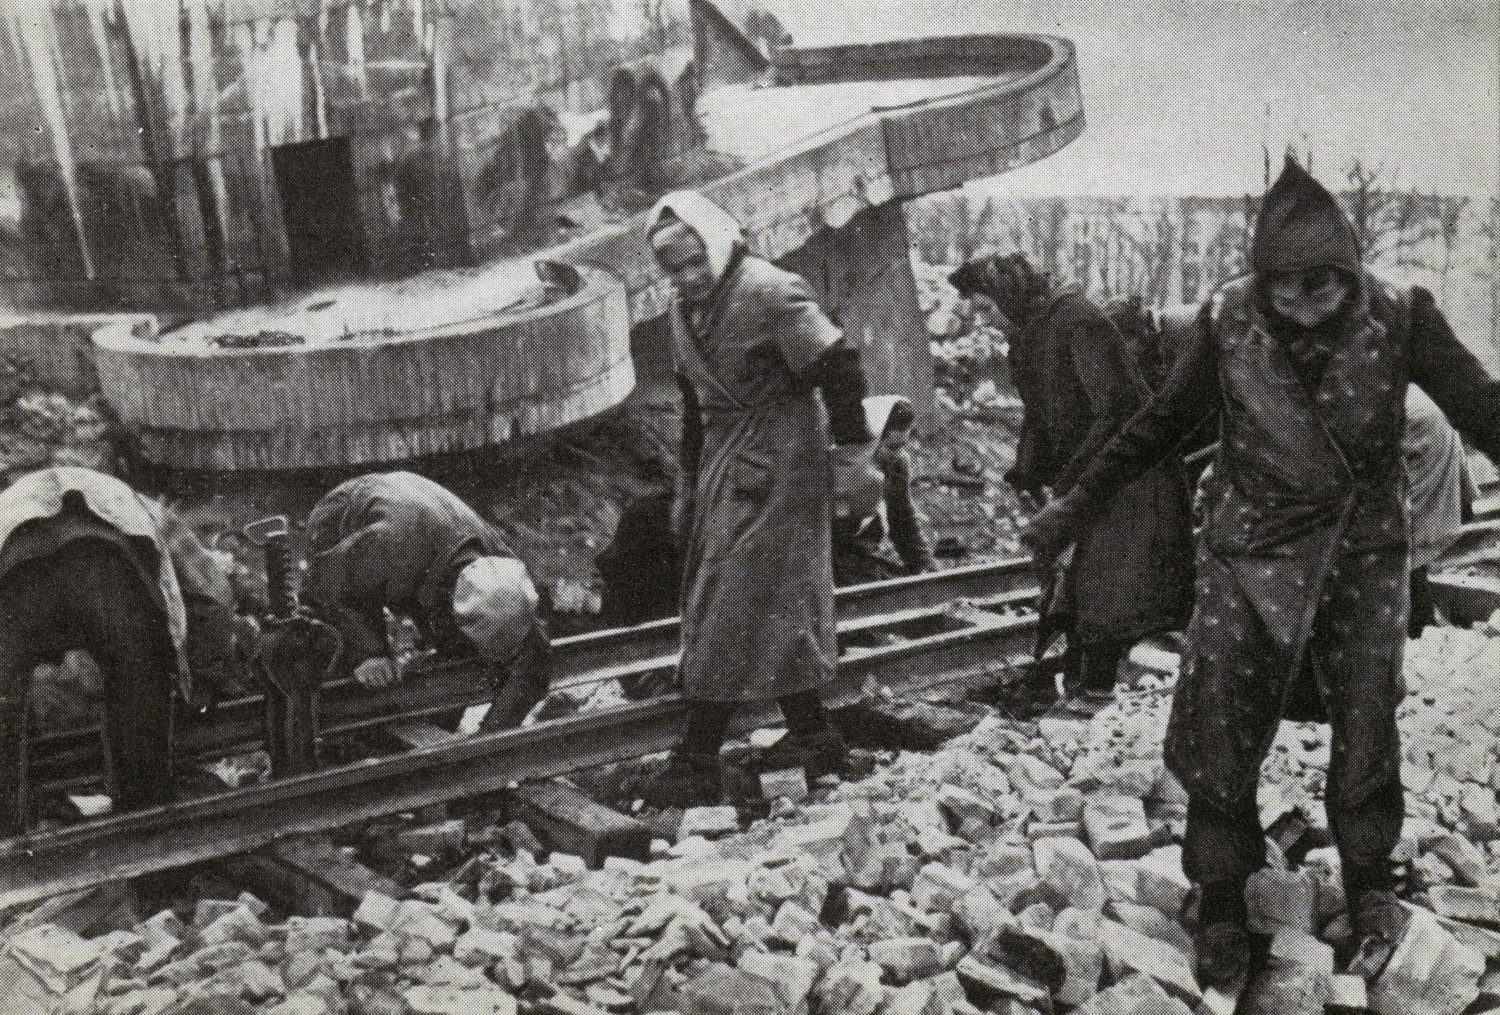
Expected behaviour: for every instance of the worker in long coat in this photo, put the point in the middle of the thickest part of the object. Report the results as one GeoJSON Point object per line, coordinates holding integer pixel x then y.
{"type": "Point", "coordinates": [1302, 563]}
{"type": "Point", "coordinates": [753, 351]}
{"type": "Point", "coordinates": [87, 563]}
{"type": "Point", "coordinates": [399, 541]}
{"type": "Point", "coordinates": [1131, 574]}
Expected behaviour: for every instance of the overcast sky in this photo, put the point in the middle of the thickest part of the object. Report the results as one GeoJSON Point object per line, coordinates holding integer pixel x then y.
{"type": "Point", "coordinates": [1180, 95]}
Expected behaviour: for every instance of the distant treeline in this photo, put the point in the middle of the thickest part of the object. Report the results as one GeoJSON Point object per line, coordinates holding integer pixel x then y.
{"type": "Point", "coordinates": [1178, 249]}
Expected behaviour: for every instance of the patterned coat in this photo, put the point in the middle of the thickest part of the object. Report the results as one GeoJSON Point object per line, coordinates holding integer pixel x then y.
{"type": "Point", "coordinates": [1302, 562]}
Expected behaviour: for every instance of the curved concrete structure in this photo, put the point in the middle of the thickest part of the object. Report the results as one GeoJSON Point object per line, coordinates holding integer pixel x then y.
{"type": "Point", "coordinates": [838, 131]}
{"type": "Point", "coordinates": [448, 387]}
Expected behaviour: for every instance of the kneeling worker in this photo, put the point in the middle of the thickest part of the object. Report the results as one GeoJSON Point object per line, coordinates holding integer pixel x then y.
{"type": "Point", "coordinates": [396, 540]}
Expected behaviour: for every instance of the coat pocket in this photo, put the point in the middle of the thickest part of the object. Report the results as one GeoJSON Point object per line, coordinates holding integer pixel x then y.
{"type": "Point", "coordinates": [750, 477]}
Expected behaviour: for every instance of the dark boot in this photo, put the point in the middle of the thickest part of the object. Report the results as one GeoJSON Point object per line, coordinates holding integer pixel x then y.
{"type": "Point", "coordinates": [817, 754]}
{"type": "Point", "coordinates": [689, 780]}
{"type": "Point", "coordinates": [1222, 939]}
{"type": "Point", "coordinates": [1098, 667]}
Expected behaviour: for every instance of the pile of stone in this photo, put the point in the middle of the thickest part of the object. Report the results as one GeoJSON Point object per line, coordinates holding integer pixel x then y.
{"type": "Point", "coordinates": [1022, 868]}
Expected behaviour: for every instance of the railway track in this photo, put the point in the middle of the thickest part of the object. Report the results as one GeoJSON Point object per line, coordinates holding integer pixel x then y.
{"type": "Point", "coordinates": [912, 635]}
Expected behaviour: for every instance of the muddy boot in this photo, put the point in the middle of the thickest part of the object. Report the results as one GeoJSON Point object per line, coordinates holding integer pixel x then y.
{"type": "Point", "coordinates": [1379, 921]}
{"type": "Point", "coordinates": [817, 754]}
{"type": "Point", "coordinates": [1098, 667]}
{"type": "Point", "coordinates": [1223, 950]}
{"type": "Point", "coordinates": [688, 780]}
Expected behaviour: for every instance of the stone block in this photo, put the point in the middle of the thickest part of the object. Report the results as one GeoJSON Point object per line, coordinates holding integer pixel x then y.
{"type": "Point", "coordinates": [709, 822]}
{"type": "Point", "coordinates": [1430, 973]}
{"type": "Point", "coordinates": [429, 999]}
{"type": "Point", "coordinates": [1083, 961]}
{"type": "Point", "coordinates": [1028, 775]}
{"type": "Point", "coordinates": [907, 958]}
{"type": "Point", "coordinates": [1295, 946]}
{"type": "Point", "coordinates": [1161, 881]}
{"type": "Point", "coordinates": [1466, 860]}
{"type": "Point", "coordinates": [1153, 923]}
{"type": "Point", "coordinates": [1134, 995]}
{"type": "Point", "coordinates": [1131, 951]}
{"type": "Point", "coordinates": [723, 990]}
{"type": "Point", "coordinates": [937, 886]}
{"type": "Point", "coordinates": [1346, 991]}
{"type": "Point", "coordinates": [1062, 804]}
{"type": "Point", "coordinates": [851, 987]}
{"type": "Point", "coordinates": [1116, 826]}
{"type": "Point", "coordinates": [1475, 905]}
{"type": "Point", "coordinates": [1286, 989]}
{"type": "Point", "coordinates": [793, 921]}
{"type": "Point", "coordinates": [985, 979]}
{"type": "Point", "coordinates": [317, 933]}
{"type": "Point", "coordinates": [978, 915]}
{"type": "Point", "coordinates": [794, 977]}
{"type": "Point", "coordinates": [1067, 865]}
{"type": "Point", "coordinates": [784, 784]}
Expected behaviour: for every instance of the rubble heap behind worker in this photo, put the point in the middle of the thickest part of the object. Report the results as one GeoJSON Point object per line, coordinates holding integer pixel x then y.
{"type": "Point", "coordinates": [1302, 562]}
{"type": "Point", "coordinates": [752, 351]}
{"type": "Point", "coordinates": [1131, 575]}
{"type": "Point", "coordinates": [399, 541]}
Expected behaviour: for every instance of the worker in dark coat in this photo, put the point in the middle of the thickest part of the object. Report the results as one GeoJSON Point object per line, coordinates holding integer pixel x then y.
{"type": "Point", "coordinates": [401, 542]}
{"type": "Point", "coordinates": [889, 541]}
{"type": "Point", "coordinates": [87, 563]}
{"type": "Point", "coordinates": [1131, 573]}
{"type": "Point", "coordinates": [1302, 562]}
{"type": "Point", "coordinates": [641, 570]}
{"type": "Point", "coordinates": [753, 351]}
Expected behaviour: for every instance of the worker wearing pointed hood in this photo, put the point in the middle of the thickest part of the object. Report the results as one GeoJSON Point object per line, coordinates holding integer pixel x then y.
{"type": "Point", "coordinates": [767, 383]}
{"type": "Point", "coordinates": [1300, 225]}
{"type": "Point", "coordinates": [1302, 567]}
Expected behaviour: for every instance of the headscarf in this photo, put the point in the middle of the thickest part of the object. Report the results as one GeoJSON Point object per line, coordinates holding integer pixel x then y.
{"type": "Point", "coordinates": [1301, 226]}
{"type": "Point", "coordinates": [494, 605]}
{"type": "Point", "coordinates": [720, 231]}
{"type": "Point", "coordinates": [1016, 288]}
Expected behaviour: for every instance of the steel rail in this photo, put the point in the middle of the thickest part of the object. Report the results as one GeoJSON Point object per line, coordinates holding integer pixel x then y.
{"type": "Point", "coordinates": [579, 661]}
{"type": "Point", "coordinates": [968, 642]}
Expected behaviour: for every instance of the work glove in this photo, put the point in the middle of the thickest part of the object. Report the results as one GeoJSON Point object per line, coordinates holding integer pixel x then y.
{"type": "Point", "coordinates": [1057, 525]}
{"type": "Point", "coordinates": [377, 673]}
{"type": "Point", "coordinates": [858, 484]}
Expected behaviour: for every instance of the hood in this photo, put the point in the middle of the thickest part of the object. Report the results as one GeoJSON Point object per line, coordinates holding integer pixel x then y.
{"type": "Point", "coordinates": [720, 231]}
{"type": "Point", "coordinates": [1301, 226]}
{"type": "Point", "coordinates": [1017, 289]}
{"type": "Point", "coordinates": [494, 605]}
{"type": "Point", "coordinates": [878, 410]}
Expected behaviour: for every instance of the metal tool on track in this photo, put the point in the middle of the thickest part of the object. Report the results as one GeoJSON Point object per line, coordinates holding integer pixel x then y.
{"type": "Point", "coordinates": [297, 653]}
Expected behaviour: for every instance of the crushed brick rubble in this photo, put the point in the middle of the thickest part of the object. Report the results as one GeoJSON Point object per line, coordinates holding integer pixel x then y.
{"type": "Point", "coordinates": [1021, 868]}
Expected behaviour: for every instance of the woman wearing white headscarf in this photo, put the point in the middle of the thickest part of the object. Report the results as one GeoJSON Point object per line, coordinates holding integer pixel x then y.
{"type": "Point", "coordinates": [752, 351]}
